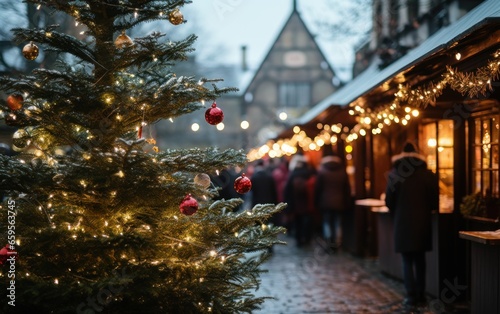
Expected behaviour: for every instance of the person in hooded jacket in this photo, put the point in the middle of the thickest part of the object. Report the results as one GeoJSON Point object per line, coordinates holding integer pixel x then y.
{"type": "Point", "coordinates": [412, 194]}
{"type": "Point", "coordinates": [332, 197]}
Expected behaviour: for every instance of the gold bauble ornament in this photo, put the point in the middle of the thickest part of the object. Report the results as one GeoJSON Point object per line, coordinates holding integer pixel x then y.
{"type": "Point", "coordinates": [175, 17]}
{"type": "Point", "coordinates": [123, 41]}
{"type": "Point", "coordinates": [30, 51]}
{"type": "Point", "coordinates": [203, 180]}
{"type": "Point", "coordinates": [20, 140]}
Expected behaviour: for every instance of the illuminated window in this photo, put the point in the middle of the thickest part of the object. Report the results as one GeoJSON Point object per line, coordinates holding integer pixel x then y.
{"type": "Point", "coordinates": [436, 144]}
{"type": "Point", "coordinates": [485, 156]}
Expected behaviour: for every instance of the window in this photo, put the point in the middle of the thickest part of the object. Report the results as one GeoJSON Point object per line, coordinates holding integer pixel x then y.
{"type": "Point", "coordinates": [485, 156]}
{"type": "Point", "coordinates": [294, 95]}
{"type": "Point", "coordinates": [436, 144]}
{"type": "Point", "coordinates": [413, 11]}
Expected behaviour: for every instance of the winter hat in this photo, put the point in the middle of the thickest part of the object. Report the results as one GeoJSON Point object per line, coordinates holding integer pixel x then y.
{"type": "Point", "coordinates": [409, 148]}
{"type": "Point", "coordinates": [296, 160]}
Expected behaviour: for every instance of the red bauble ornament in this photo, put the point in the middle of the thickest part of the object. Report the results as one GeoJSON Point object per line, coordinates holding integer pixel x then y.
{"type": "Point", "coordinates": [242, 184]}
{"type": "Point", "coordinates": [214, 115]}
{"type": "Point", "coordinates": [188, 205]}
{"type": "Point", "coordinates": [15, 101]}
{"type": "Point", "coordinates": [5, 254]}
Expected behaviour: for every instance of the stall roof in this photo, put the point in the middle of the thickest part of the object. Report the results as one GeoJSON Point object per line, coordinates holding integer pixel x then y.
{"type": "Point", "coordinates": [484, 14]}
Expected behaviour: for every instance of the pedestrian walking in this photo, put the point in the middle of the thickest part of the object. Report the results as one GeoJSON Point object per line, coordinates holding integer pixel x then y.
{"type": "Point", "coordinates": [263, 185]}
{"type": "Point", "coordinates": [297, 197]}
{"type": "Point", "coordinates": [280, 176]}
{"type": "Point", "coordinates": [332, 197]}
{"type": "Point", "coordinates": [412, 194]}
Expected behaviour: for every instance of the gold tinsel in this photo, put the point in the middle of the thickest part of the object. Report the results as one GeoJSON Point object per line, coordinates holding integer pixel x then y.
{"type": "Point", "coordinates": [470, 84]}
{"type": "Point", "coordinates": [407, 101]}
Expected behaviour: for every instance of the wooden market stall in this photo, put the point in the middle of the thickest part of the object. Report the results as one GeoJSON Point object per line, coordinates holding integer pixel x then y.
{"type": "Point", "coordinates": [444, 96]}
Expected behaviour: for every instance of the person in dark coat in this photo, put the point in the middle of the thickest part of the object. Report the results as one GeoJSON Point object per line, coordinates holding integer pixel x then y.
{"type": "Point", "coordinates": [332, 197]}
{"type": "Point", "coordinates": [412, 194]}
{"type": "Point", "coordinates": [225, 182]}
{"type": "Point", "coordinates": [297, 197]}
{"type": "Point", "coordinates": [263, 185]}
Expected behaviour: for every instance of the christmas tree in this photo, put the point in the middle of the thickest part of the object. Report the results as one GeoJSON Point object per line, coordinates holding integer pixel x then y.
{"type": "Point", "coordinates": [96, 218]}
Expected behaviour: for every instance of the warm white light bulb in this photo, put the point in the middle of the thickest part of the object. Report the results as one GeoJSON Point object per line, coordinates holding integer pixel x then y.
{"type": "Point", "coordinates": [244, 124]}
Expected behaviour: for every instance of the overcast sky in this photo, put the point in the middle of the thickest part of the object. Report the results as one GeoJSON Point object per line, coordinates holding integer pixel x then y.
{"type": "Point", "coordinates": [223, 26]}
{"type": "Point", "coordinates": [226, 25]}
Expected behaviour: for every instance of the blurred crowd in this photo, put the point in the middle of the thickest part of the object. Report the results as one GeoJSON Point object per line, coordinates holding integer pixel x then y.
{"type": "Point", "coordinates": [316, 193]}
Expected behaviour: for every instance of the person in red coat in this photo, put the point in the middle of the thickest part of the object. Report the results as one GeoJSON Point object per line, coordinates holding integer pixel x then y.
{"type": "Point", "coordinates": [412, 194]}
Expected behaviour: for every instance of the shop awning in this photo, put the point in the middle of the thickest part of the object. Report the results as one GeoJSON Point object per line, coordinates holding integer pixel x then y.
{"type": "Point", "coordinates": [479, 24]}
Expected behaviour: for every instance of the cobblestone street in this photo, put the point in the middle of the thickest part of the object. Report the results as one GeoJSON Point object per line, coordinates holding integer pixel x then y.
{"type": "Point", "coordinates": [311, 280]}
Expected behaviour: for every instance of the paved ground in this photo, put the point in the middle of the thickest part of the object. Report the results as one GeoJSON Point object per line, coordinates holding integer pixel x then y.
{"type": "Point", "coordinates": [312, 280]}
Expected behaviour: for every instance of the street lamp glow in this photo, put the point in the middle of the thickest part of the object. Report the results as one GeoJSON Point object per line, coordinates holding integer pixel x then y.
{"type": "Point", "coordinates": [195, 127]}
{"type": "Point", "coordinates": [244, 124]}
{"type": "Point", "coordinates": [283, 116]}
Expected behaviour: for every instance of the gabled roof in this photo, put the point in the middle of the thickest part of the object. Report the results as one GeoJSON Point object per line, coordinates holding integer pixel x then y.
{"type": "Point", "coordinates": [294, 13]}
{"type": "Point", "coordinates": [484, 15]}
{"type": "Point", "coordinates": [344, 95]}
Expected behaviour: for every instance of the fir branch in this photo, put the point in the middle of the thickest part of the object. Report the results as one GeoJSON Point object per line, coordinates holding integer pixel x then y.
{"type": "Point", "coordinates": [57, 42]}
{"type": "Point", "coordinates": [134, 13]}
{"type": "Point", "coordinates": [148, 51]}
{"type": "Point", "coordinates": [108, 204]}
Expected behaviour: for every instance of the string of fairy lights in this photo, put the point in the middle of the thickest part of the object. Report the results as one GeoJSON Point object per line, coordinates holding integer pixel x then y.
{"type": "Point", "coordinates": [407, 103]}
{"type": "Point", "coordinates": [123, 79]}
{"type": "Point", "coordinates": [36, 144]}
